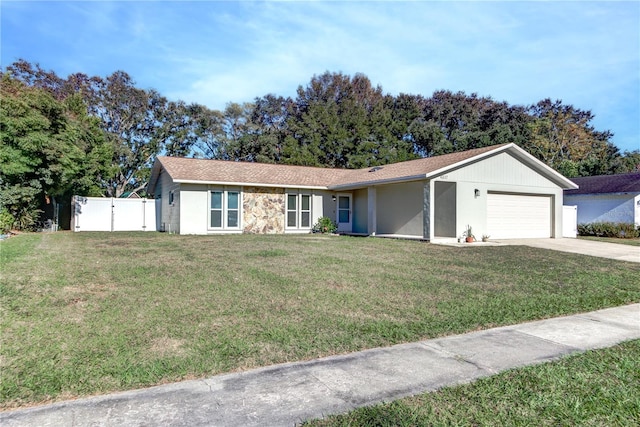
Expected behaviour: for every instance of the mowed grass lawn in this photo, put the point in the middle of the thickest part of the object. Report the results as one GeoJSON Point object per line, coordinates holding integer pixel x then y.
{"type": "Point", "coordinates": [89, 313]}
{"type": "Point", "coordinates": [630, 242]}
{"type": "Point", "coordinates": [596, 388]}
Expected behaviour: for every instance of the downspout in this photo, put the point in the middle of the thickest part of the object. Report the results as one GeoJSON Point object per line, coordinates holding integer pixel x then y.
{"type": "Point", "coordinates": [426, 211]}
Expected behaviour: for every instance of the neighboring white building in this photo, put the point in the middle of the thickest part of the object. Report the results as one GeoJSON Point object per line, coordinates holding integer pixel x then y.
{"type": "Point", "coordinates": [606, 198]}
{"type": "Point", "coordinates": [501, 191]}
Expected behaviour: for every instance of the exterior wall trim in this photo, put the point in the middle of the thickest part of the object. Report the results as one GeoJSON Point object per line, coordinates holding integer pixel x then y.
{"type": "Point", "coordinates": [248, 184]}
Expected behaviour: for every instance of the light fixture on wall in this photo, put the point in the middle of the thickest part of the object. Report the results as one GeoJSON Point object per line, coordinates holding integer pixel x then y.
{"type": "Point", "coordinates": [476, 192]}
{"type": "Point", "coordinates": [333, 197]}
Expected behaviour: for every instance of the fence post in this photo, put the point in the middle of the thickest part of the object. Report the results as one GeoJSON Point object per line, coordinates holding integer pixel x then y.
{"type": "Point", "coordinates": [113, 214]}
{"type": "Point", "coordinates": [144, 214]}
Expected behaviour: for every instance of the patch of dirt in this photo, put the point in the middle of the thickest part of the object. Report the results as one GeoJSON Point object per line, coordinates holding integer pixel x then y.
{"type": "Point", "coordinates": [93, 289]}
{"type": "Point", "coordinates": [332, 284]}
{"type": "Point", "coordinates": [165, 346]}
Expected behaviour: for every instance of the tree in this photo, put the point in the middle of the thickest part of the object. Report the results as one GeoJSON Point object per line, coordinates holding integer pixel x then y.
{"type": "Point", "coordinates": [48, 149]}
{"type": "Point", "coordinates": [562, 136]}
{"type": "Point", "coordinates": [345, 122]}
{"type": "Point", "coordinates": [630, 162]}
{"type": "Point", "coordinates": [456, 122]}
{"type": "Point", "coordinates": [137, 124]}
{"type": "Point", "coordinates": [211, 138]}
{"type": "Point", "coordinates": [270, 128]}
{"type": "Point", "coordinates": [237, 127]}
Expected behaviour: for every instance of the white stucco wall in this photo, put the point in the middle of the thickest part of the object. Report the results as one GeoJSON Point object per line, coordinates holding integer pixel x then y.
{"type": "Point", "coordinates": [168, 219]}
{"type": "Point", "coordinates": [194, 207]}
{"type": "Point", "coordinates": [606, 207]}
{"type": "Point", "coordinates": [323, 205]}
{"type": "Point", "coordinates": [500, 173]}
{"type": "Point", "coordinates": [191, 207]}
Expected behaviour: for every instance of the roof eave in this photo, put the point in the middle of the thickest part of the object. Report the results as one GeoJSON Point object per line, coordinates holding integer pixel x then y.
{"type": "Point", "coordinates": [153, 178]}
{"type": "Point", "coordinates": [606, 193]}
{"type": "Point", "coordinates": [562, 181]}
{"type": "Point", "coordinates": [364, 184]}
{"type": "Point", "coordinates": [249, 184]}
{"type": "Point", "coordinates": [520, 154]}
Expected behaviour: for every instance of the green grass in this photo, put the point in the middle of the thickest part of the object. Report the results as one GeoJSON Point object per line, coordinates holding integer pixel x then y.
{"type": "Point", "coordinates": [597, 388]}
{"type": "Point", "coordinates": [630, 242]}
{"type": "Point", "coordinates": [87, 313]}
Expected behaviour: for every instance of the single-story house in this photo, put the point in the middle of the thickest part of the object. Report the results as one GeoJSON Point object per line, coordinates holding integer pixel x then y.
{"type": "Point", "coordinates": [500, 191]}
{"type": "Point", "coordinates": [606, 198]}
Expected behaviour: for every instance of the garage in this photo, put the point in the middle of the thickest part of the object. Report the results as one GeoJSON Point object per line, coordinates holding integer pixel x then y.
{"type": "Point", "coordinates": [519, 216]}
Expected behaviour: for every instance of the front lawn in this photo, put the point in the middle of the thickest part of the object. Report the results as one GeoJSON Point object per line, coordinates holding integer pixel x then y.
{"type": "Point", "coordinates": [86, 313]}
{"type": "Point", "coordinates": [597, 388]}
{"type": "Point", "coordinates": [631, 242]}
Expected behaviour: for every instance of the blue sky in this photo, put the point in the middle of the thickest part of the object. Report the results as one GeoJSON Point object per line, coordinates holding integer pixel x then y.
{"type": "Point", "coordinates": [214, 52]}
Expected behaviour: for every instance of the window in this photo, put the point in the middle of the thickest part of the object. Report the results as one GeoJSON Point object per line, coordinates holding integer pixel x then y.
{"type": "Point", "coordinates": [292, 210]}
{"type": "Point", "coordinates": [298, 210]}
{"type": "Point", "coordinates": [216, 209]}
{"type": "Point", "coordinates": [224, 212]}
{"type": "Point", "coordinates": [305, 210]}
{"type": "Point", "coordinates": [232, 209]}
{"type": "Point", "coordinates": [170, 197]}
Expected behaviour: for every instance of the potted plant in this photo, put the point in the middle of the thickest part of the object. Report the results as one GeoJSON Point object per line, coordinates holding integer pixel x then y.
{"type": "Point", "coordinates": [468, 234]}
{"type": "Point", "coordinates": [485, 237]}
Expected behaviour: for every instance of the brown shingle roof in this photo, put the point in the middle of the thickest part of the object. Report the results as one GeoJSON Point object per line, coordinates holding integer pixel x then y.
{"type": "Point", "coordinates": [244, 173]}
{"type": "Point", "coordinates": [411, 169]}
{"type": "Point", "coordinates": [221, 171]}
{"type": "Point", "coordinates": [622, 183]}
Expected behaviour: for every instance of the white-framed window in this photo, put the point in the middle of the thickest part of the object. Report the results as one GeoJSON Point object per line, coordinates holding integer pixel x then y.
{"type": "Point", "coordinates": [298, 210]}
{"type": "Point", "coordinates": [224, 209]}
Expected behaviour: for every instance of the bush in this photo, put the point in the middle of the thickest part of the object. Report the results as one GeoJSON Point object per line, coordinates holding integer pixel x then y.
{"type": "Point", "coordinates": [324, 225]}
{"type": "Point", "coordinates": [621, 230]}
{"type": "Point", "coordinates": [6, 221]}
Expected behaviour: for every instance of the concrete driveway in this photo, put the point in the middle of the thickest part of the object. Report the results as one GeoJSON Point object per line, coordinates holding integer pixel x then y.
{"type": "Point", "coordinates": [615, 251]}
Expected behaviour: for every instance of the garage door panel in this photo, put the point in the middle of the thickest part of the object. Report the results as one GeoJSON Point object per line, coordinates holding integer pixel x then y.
{"type": "Point", "coordinates": [513, 216]}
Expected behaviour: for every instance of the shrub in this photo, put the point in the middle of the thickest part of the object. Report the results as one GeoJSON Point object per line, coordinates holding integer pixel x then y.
{"type": "Point", "coordinates": [6, 221]}
{"type": "Point", "coordinates": [620, 230]}
{"type": "Point", "coordinates": [324, 225]}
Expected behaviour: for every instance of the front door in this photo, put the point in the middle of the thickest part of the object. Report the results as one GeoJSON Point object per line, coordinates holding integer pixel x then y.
{"type": "Point", "coordinates": [343, 213]}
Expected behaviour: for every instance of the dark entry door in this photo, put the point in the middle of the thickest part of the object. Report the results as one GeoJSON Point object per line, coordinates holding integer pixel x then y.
{"type": "Point", "coordinates": [445, 209]}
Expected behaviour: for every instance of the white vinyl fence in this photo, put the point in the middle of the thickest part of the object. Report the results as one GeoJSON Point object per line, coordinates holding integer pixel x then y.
{"type": "Point", "coordinates": [570, 221]}
{"type": "Point", "coordinates": [111, 214]}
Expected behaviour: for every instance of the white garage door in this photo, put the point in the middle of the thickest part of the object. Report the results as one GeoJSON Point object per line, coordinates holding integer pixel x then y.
{"type": "Point", "coordinates": [516, 216]}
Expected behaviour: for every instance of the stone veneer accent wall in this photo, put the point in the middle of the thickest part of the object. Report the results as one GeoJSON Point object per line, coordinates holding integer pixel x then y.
{"type": "Point", "coordinates": [263, 210]}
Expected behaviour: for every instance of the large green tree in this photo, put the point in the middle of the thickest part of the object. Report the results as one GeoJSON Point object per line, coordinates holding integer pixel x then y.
{"type": "Point", "coordinates": [630, 161]}
{"type": "Point", "coordinates": [48, 149]}
{"type": "Point", "coordinates": [138, 124]}
{"type": "Point", "coordinates": [267, 139]}
{"type": "Point", "coordinates": [563, 137]}
{"type": "Point", "coordinates": [456, 122]}
{"type": "Point", "coordinates": [342, 121]}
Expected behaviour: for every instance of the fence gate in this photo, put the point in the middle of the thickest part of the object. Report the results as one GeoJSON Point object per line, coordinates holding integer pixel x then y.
{"type": "Point", "coordinates": [112, 214]}
{"type": "Point", "coordinates": [569, 221]}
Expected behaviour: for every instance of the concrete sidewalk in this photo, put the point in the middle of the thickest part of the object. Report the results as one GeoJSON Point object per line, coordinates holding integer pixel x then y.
{"type": "Point", "coordinates": [286, 394]}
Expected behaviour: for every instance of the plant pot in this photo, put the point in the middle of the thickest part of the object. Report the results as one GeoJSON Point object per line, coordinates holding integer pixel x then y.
{"type": "Point", "coordinates": [469, 239]}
